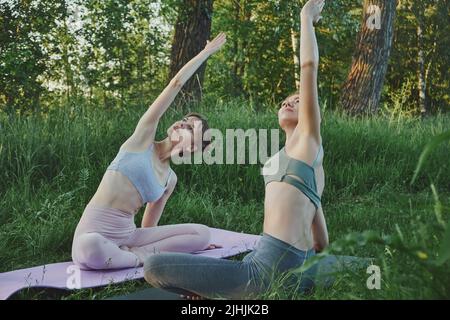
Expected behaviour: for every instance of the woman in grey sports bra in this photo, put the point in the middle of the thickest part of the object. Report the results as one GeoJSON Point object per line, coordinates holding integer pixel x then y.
{"type": "Point", "coordinates": [106, 236]}
{"type": "Point", "coordinates": [294, 224]}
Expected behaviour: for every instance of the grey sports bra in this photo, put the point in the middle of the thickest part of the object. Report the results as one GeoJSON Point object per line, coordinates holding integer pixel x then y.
{"type": "Point", "coordinates": [281, 167]}
{"type": "Point", "coordinates": [138, 168]}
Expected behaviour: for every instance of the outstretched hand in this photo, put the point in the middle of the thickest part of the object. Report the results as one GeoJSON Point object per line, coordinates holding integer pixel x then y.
{"type": "Point", "coordinates": [215, 45]}
{"type": "Point", "coordinates": [312, 9]}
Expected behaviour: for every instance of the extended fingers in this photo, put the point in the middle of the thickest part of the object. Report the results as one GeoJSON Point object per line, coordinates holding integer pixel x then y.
{"type": "Point", "coordinates": [220, 38]}
{"type": "Point", "coordinates": [322, 4]}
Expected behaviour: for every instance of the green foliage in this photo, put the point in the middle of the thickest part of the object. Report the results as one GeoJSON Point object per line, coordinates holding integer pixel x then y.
{"type": "Point", "coordinates": [435, 142]}
{"type": "Point", "coordinates": [116, 52]}
{"type": "Point", "coordinates": [25, 25]}
{"type": "Point", "coordinates": [403, 65]}
{"type": "Point", "coordinates": [259, 59]}
{"type": "Point", "coordinates": [125, 50]}
{"type": "Point", "coordinates": [52, 165]}
{"type": "Point", "coordinates": [102, 51]}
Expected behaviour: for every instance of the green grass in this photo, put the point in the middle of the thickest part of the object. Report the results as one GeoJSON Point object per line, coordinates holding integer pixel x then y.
{"type": "Point", "coordinates": [51, 165]}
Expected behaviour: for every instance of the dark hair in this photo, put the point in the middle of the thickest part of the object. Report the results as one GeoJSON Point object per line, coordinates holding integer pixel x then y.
{"type": "Point", "coordinates": [205, 127]}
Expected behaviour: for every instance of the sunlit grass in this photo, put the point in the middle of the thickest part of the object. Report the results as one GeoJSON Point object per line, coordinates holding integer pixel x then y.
{"type": "Point", "coordinates": [50, 167]}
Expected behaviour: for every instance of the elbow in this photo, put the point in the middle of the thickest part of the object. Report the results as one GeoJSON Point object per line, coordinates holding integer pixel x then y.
{"type": "Point", "coordinates": [310, 64]}
{"type": "Point", "coordinates": [321, 244]}
{"type": "Point", "coordinates": [319, 247]}
{"type": "Point", "coordinates": [176, 83]}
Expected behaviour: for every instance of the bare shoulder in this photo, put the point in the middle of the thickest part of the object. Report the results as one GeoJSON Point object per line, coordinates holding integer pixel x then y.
{"type": "Point", "coordinates": [135, 144]}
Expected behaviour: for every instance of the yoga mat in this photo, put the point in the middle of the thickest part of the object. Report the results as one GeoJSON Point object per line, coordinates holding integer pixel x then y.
{"type": "Point", "coordinates": [66, 275]}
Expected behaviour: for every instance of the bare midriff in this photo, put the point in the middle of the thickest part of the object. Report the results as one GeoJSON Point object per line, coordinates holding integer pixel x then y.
{"type": "Point", "coordinates": [116, 191]}
{"type": "Point", "coordinates": [288, 213]}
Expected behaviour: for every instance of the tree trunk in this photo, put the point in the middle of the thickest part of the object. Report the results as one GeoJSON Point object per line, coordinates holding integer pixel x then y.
{"type": "Point", "coordinates": [422, 83]}
{"type": "Point", "coordinates": [141, 75]}
{"type": "Point", "coordinates": [242, 15]}
{"type": "Point", "coordinates": [362, 91]}
{"type": "Point", "coordinates": [192, 30]}
{"type": "Point", "coordinates": [421, 70]}
{"type": "Point", "coordinates": [122, 76]}
{"type": "Point", "coordinates": [295, 41]}
{"type": "Point", "coordinates": [237, 59]}
{"type": "Point", "coordinates": [295, 54]}
{"type": "Point", "coordinates": [67, 67]}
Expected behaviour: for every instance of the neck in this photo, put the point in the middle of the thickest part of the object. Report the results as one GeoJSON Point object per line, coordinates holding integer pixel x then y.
{"type": "Point", "coordinates": [289, 132]}
{"type": "Point", "coordinates": [164, 150]}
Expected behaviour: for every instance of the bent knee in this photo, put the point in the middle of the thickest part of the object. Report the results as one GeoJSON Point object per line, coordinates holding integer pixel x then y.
{"type": "Point", "coordinates": [153, 271]}
{"type": "Point", "coordinates": [204, 235]}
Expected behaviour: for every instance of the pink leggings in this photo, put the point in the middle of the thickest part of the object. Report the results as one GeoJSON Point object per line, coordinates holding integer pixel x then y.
{"type": "Point", "coordinates": [103, 233]}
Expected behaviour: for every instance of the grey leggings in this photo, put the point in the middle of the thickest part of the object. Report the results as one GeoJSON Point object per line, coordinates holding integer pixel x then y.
{"type": "Point", "coordinates": [219, 278]}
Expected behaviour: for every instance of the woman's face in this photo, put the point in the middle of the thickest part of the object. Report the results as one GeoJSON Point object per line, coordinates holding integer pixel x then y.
{"type": "Point", "coordinates": [186, 134]}
{"type": "Point", "coordinates": [288, 113]}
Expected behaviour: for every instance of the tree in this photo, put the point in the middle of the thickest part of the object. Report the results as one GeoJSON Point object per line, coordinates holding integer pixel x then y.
{"type": "Point", "coordinates": [362, 91]}
{"type": "Point", "coordinates": [62, 67]}
{"type": "Point", "coordinates": [420, 60]}
{"type": "Point", "coordinates": [124, 50]}
{"type": "Point", "coordinates": [24, 27]}
{"type": "Point", "coordinates": [192, 30]}
{"type": "Point", "coordinates": [295, 38]}
{"type": "Point", "coordinates": [242, 14]}
{"type": "Point", "coordinates": [422, 84]}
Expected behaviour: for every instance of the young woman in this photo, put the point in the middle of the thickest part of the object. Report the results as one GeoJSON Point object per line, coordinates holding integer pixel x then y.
{"type": "Point", "coordinates": [106, 236]}
{"type": "Point", "coordinates": [294, 223]}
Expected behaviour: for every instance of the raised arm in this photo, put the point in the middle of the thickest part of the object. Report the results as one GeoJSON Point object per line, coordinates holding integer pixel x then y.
{"type": "Point", "coordinates": [309, 112]}
{"type": "Point", "coordinates": [146, 127]}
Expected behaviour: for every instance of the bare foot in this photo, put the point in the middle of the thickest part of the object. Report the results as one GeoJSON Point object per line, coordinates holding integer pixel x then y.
{"type": "Point", "coordinates": [140, 253]}
{"type": "Point", "coordinates": [213, 246]}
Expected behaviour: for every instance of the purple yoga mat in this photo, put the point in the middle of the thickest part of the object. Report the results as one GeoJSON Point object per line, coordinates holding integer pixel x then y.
{"type": "Point", "coordinates": [66, 275]}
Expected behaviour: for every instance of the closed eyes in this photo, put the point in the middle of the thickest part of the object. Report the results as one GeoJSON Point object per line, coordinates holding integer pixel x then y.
{"type": "Point", "coordinates": [188, 125]}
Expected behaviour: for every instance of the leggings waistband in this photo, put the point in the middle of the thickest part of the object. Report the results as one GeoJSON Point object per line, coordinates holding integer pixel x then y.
{"type": "Point", "coordinates": [277, 255]}
{"type": "Point", "coordinates": [267, 238]}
